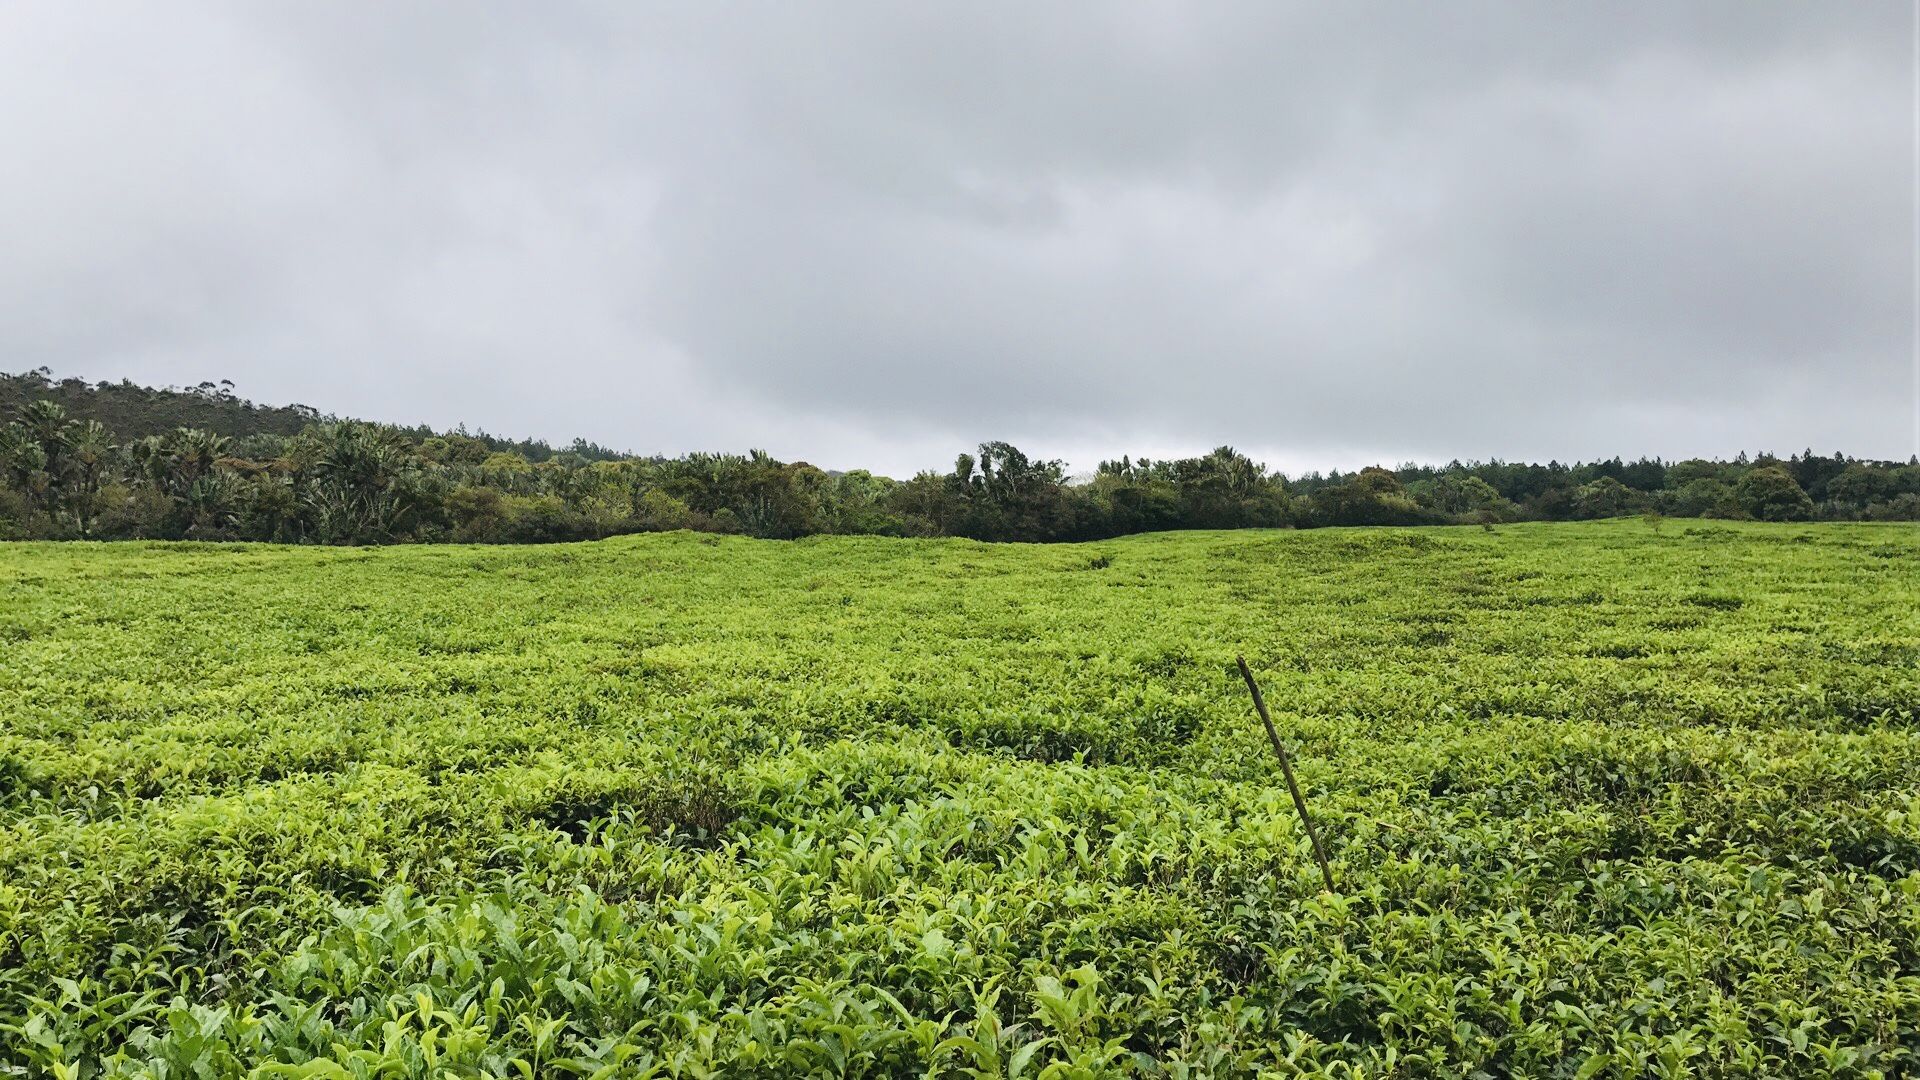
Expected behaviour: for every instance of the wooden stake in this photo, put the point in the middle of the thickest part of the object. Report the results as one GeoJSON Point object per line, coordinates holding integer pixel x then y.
{"type": "Point", "coordinates": [1286, 768]}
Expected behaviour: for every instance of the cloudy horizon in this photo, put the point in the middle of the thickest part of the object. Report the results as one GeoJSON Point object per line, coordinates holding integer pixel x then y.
{"type": "Point", "coordinates": [870, 237]}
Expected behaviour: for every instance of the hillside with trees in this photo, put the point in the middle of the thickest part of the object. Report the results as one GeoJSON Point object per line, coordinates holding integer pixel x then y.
{"type": "Point", "coordinates": [120, 461]}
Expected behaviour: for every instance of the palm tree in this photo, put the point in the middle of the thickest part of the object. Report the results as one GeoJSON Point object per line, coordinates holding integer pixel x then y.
{"type": "Point", "coordinates": [362, 483]}
{"type": "Point", "coordinates": [184, 465]}
{"type": "Point", "coordinates": [25, 462]}
{"type": "Point", "coordinates": [47, 423]}
{"type": "Point", "coordinates": [35, 452]}
{"type": "Point", "coordinates": [193, 453]}
{"type": "Point", "coordinates": [90, 450]}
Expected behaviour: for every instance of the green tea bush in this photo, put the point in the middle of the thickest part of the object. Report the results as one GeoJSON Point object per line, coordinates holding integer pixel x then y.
{"type": "Point", "coordinates": [1600, 799]}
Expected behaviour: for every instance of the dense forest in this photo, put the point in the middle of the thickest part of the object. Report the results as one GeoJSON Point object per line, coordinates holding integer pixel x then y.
{"type": "Point", "coordinates": [120, 461]}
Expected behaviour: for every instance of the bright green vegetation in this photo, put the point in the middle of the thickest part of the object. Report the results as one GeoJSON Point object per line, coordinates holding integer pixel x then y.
{"type": "Point", "coordinates": [1600, 798]}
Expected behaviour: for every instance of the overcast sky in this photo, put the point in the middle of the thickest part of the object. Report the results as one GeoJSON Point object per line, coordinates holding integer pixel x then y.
{"type": "Point", "coordinates": [873, 234]}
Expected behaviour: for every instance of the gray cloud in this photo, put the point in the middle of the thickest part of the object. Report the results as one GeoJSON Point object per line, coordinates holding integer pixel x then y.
{"type": "Point", "coordinates": [871, 234]}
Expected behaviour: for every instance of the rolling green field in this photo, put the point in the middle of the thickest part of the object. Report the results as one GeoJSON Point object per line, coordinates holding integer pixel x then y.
{"type": "Point", "coordinates": [1601, 799]}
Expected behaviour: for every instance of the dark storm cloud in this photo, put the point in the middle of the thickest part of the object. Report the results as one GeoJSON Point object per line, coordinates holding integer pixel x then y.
{"type": "Point", "coordinates": [869, 234]}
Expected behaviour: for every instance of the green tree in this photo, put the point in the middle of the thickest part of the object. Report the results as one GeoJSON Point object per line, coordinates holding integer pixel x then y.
{"type": "Point", "coordinates": [362, 484]}
{"type": "Point", "coordinates": [1013, 497]}
{"type": "Point", "coordinates": [32, 467]}
{"type": "Point", "coordinates": [90, 452]}
{"type": "Point", "coordinates": [1769, 493]}
{"type": "Point", "coordinates": [1228, 490]}
{"type": "Point", "coordinates": [1861, 483]}
{"type": "Point", "coordinates": [856, 502]}
{"type": "Point", "coordinates": [1604, 498]}
{"type": "Point", "coordinates": [57, 463]}
{"type": "Point", "coordinates": [186, 466]}
{"type": "Point", "coordinates": [1460, 494]}
{"type": "Point", "coordinates": [1701, 497]}
{"type": "Point", "coordinates": [1373, 496]}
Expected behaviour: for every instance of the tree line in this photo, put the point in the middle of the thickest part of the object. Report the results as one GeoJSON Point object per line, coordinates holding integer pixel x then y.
{"type": "Point", "coordinates": [250, 473]}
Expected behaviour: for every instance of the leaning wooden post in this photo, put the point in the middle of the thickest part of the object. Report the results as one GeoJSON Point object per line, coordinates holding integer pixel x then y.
{"type": "Point", "coordinates": [1286, 768]}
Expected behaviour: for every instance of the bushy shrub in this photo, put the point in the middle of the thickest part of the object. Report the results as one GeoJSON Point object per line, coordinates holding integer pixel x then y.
{"type": "Point", "coordinates": [1770, 493]}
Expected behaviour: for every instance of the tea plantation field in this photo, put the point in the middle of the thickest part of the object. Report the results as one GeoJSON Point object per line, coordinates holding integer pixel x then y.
{"type": "Point", "coordinates": [1601, 799]}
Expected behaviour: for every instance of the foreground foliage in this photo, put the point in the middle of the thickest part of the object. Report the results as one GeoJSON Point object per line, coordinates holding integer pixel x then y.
{"type": "Point", "coordinates": [1601, 799]}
